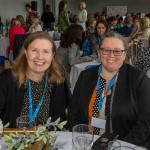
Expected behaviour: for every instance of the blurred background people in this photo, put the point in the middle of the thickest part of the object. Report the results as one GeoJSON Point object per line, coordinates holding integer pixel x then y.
{"type": "Point", "coordinates": [69, 49]}
{"type": "Point", "coordinates": [22, 21]}
{"type": "Point", "coordinates": [16, 28]}
{"type": "Point", "coordinates": [82, 15]}
{"type": "Point", "coordinates": [48, 18]}
{"type": "Point", "coordinates": [90, 44]}
{"type": "Point", "coordinates": [63, 17]}
{"type": "Point", "coordinates": [30, 14]}
{"type": "Point", "coordinates": [35, 26]}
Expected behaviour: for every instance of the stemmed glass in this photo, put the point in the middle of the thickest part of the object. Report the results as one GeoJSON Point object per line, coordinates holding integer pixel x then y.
{"type": "Point", "coordinates": [82, 137]}
{"type": "Point", "coordinates": [1, 128]}
{"type": "Point", "coordinates": [23, 122]}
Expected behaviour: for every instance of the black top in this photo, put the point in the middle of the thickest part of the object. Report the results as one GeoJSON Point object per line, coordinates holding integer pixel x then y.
{"type": "Point", "coordinates": [130, 108]}
{"type": "Point", "coordinates": [47, 18]}
{"type": "Point", "coordinates": [12, 99]}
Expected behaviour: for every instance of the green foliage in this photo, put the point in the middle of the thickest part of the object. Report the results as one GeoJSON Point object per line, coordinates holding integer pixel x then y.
{"type": "Point", "coordinates": [21, 141]}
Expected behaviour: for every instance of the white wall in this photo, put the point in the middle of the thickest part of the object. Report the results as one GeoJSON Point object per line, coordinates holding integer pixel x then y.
{"type": "Point", "coordinates": [10, 8]}
{"type": "Point", "coordinates": [132, 5]}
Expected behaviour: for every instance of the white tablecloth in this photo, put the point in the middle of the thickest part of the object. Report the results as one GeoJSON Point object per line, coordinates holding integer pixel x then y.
{"type": "Point", "coordinates": [4, 43]}
{"type": "Point", "coordinates": [76, 69]}
{"type": "Point", "coordinates": [64, 142]}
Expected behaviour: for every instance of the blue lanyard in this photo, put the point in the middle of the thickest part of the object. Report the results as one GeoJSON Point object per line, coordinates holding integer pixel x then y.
{"type": "Point", "coordinates": [108, 88]}
{"type": "Point", "coordinates": [33, 115]}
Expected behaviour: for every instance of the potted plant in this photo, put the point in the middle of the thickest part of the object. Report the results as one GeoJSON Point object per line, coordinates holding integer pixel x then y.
{"type": "Point", "coordinates": [41, 139]}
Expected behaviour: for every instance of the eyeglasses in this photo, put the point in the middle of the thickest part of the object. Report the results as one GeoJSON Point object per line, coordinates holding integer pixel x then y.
{"type": "Point", "coordinates": [115, 52]}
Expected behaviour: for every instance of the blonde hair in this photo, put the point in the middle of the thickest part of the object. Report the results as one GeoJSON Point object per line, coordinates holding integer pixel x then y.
{"type": "Point", "coordinates": [146, 22]}
{"type": "Point", "coordinates": [35, 20]}
{"type": "Point", "coordinates": [83, 4]}
{"type": "Point", "coordinates": [55, 72]}
{"type": "Point", "coordinates": [15, 22]}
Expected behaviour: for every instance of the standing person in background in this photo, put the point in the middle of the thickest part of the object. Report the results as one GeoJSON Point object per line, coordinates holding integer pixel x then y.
{"type": "Point", "coordinates": [16, 28]}
{"type": "Point", "coordinates": [63, 18]}
{"type": "Point", "coordinates": [30, 14]}
{"type": "Point", "coordinates": [82, 15]}
{"type": "Point", "coordinates": [35, 26]}
{"type": "Point", "coordinates": [48, 18]}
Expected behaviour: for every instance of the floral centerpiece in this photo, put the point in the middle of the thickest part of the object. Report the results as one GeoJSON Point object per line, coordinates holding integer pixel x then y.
{"type": "Point", "coordinates": [41, 139]}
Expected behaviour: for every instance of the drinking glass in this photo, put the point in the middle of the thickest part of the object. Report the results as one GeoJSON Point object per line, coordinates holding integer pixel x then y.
{"type": "Point", "coordinates": [140, 147]}
{"type": "Point", "coordinates": [123, 148]}
{"type": "Point", "coordinates": [23, 122]}
{"type": "Point", "coordinates": [82, 137]}
{"type": "Point", "coordinates": [1, 128]}
{"type": "Point", "coordinates": [113, 144]}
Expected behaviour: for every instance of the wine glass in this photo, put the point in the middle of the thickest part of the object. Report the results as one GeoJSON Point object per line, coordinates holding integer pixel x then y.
{"type": "Point", "coordinates": [1, 128]}
{"type": "Point", "coordinates": [82, 137]}
{"type": "Point", "coordinates": [123, 148]}
{"type": "Point", "coordinates": [23, 122]}
{"type": "Point", "coordinates": [113, 144]}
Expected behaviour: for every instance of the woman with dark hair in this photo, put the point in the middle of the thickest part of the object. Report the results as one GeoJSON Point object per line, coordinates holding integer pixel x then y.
{"type": "Point", "coordinates": [35, 81]}
{"type": "Point", "coordinates": [63, 17]}
{"type": "Point", "coordinates": [48, 18]}
{"type": "Point", "coordinates": [113, 97]}
{"type": "Point", "coordinates": [90, 45]}
{"type": "Point", "coordinates": [69, 50]}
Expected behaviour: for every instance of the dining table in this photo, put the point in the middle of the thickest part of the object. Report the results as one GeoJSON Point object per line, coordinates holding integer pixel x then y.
{"type": "Point", "coordinates": [64, 142]}
{"type": "Point", "coordinates": [77, 68]}
{"type": "Point", "coordinates": [4, 43]}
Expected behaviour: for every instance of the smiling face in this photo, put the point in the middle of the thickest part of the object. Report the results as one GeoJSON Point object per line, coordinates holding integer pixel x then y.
{"type": "Point", "coordinates": [110, 62]}
{"type": "Point", "coordinates": [39, 56]}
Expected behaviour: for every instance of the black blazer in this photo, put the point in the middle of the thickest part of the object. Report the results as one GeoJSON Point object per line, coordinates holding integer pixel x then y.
{"type": "Point", "coordinates": [131, 104]}
{"type": "Point", "coordinates": [11, 99]}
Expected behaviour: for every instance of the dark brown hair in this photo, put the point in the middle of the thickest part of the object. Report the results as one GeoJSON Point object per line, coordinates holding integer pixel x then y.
{"type": "Point", "coordinates": [73, 34]}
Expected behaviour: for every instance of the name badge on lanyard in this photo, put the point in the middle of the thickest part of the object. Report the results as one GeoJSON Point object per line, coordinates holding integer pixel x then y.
{"type": "Point", "coordinates": [98, 122]}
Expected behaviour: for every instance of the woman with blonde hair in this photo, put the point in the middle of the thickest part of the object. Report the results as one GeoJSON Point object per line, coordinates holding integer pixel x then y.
{"type": "Point", "coordinates": [82, 15]}
{"type": "Point", "coordinates": [16, 28]}
{"type": "Point", "coordinates": [146, 27]}
{"type": "Point", "coordinates": [35, 26]}
{"type": "Point", "coordinates": [36, 80]}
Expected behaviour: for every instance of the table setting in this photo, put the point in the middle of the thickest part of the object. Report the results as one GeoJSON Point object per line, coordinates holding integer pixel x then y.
{"type": "Point", "coordinates": [76, 70]}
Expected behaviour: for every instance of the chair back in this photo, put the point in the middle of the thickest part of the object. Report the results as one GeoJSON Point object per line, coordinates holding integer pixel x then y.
{"type": "Point", "coordinates": [18, 42]}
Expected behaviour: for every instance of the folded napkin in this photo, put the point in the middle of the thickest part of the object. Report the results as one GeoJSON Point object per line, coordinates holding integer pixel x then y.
{"type": "Point", "coordinates": [90, 66]}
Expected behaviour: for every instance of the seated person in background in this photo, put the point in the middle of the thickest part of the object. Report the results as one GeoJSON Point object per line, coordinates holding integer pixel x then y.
{"type": "Point", "coordinates": [36, 76]}
{"type": "Point", "coordinates": [30, 14]}
{"type": "Point", "coordinates": [35, 26]}
{"type": "Point", "coordinates": [23, 24]}
{"type": "Point", "coordinates": [126, 29]}
{"type": "Point", "coordinates": [114, 92]}
{"type": "Point", "coordinates": [136, 31]}
{"type": "Point", "coordinates": [145, 28]}
{"type": "Point", "coordinates": [69, 49]}
{"type": "Point", "coordinates": [113, 24]}
{"type": "Point", "coordinates": [90, 28]}
{"type": "Point", "coordinates": [120, 23]}
{"type": "Point", "coordinates": [90, 45]}
{"type": "Point", "coordinates": [16, 28]}
{"type": "Point", "coordinates": [143, 62]}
